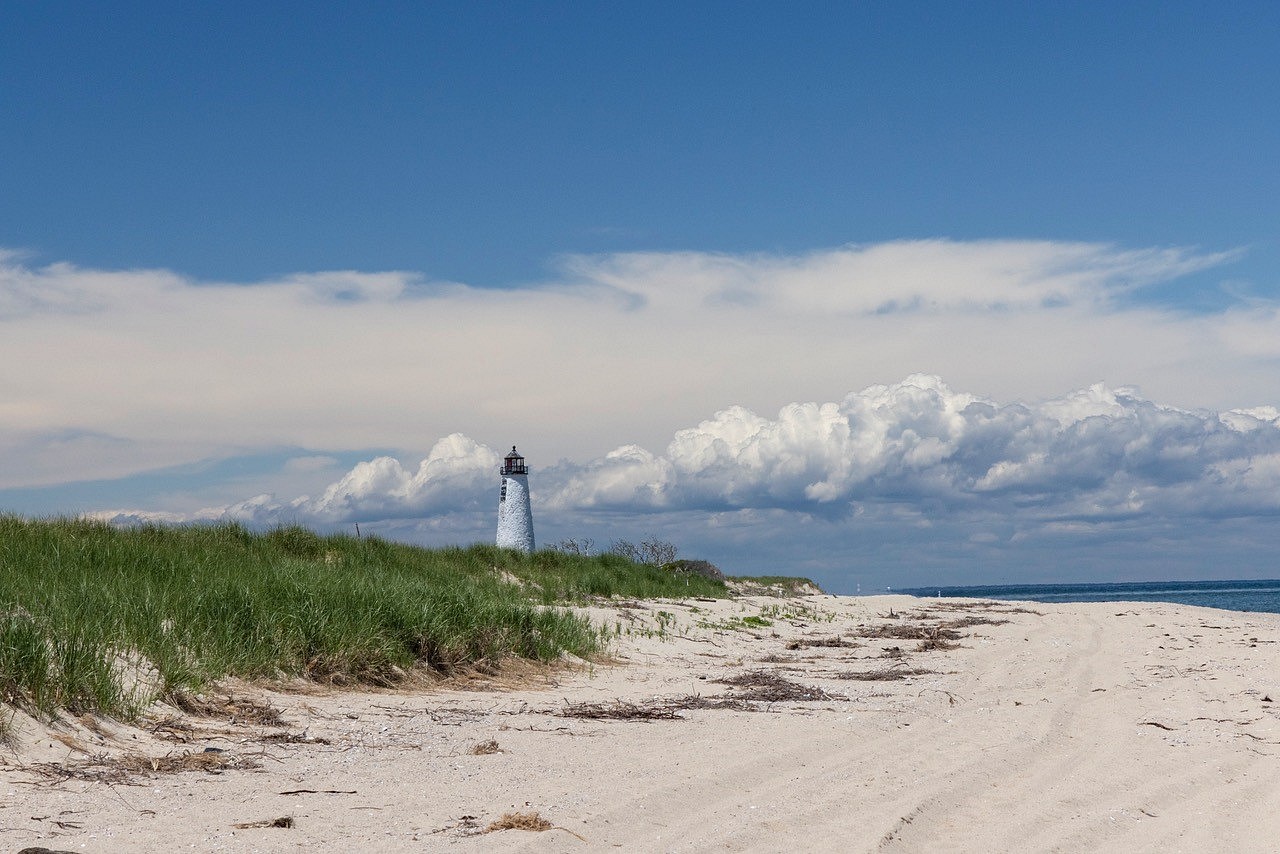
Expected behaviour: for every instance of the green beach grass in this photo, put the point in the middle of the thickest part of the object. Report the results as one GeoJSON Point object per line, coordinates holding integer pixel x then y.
{"type": "Point", "coordinates": [89, 612]}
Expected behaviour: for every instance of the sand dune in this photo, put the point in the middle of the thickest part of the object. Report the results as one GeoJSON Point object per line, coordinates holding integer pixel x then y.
{"type": "Point", "coordinates": [859, 724]}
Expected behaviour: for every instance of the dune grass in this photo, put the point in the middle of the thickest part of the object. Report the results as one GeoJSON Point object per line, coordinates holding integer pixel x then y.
{"type": "Point", "coordinates": [786, 583]}
{"type": "Point", "coordinates": [101, 619]}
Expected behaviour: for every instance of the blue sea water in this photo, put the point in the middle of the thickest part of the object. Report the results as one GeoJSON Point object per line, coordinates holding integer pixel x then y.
{"type": "Point", "coordinates": [1228, 595]}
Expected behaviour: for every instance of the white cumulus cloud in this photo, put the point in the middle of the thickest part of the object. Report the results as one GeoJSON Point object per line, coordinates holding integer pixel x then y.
{"type": "Point", "coordinates": [1094, 453]}
{"type": "Point", "coordinates": [907, 481]}
{"type": "Point", "coordinates": [916, 451]}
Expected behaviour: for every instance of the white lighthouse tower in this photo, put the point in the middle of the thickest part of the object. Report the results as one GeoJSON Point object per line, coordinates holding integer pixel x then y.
{"type": "Point", "coordinates": [515, 519]}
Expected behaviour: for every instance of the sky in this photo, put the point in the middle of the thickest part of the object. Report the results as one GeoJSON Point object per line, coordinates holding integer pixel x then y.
{"type": "Point", "coordinates": [886, 294]}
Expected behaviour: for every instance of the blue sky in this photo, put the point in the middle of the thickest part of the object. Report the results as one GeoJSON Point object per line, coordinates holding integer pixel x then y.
{"type": "Point", "coordinates": [476, 141]}
{"type": "Point", "coordinates": [249, 250]}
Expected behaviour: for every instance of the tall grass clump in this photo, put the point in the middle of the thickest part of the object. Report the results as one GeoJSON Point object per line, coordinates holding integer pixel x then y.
{"type": "Point", "coordinates": [558, 577]}
{"type": "Point", "coordinates": [103, 619]}
{"type": "Point", "coordinates": [787, 583]}
{"type": "Point", "coordinates": [89, 612]}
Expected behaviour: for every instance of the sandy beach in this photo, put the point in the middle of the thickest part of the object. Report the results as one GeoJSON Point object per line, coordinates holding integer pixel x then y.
{"type": "Point", "coordinates": [811, 723]}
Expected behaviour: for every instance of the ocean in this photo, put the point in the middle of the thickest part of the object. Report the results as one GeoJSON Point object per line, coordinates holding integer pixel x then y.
{"type": "Point", "coordinates": [1228, 595]}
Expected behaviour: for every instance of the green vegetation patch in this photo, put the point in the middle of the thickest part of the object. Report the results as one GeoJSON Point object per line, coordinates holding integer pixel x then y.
{"type": "Point", "coordinates": [103, 619]}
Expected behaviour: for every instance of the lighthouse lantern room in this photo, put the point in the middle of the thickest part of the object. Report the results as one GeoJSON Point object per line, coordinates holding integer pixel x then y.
{"type": "Point", "coordinates": [515, 519]}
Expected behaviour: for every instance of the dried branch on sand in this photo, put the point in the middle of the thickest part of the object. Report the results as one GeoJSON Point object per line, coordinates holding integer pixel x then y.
{"type": "Point", "coordinates": [620, 710]}
{"type": "Point", "coordinates": [282, 821]}
{"type": "Point", "coordinates": [238, 710]}
{"type": "Point", "coordinates": [519, 821]}
{"type": "Point", "coordinates": [885, 674]}
{"type": "Point", "coordinates": [939, 636]}
{"type": "Point", "coordinates": [527, 821]}
{"type": "Point", "coordinates": [123, 769]}
{"type": "Point", "coordinates": [766, 687]}
{"type": "Point", "coordinates": [899, 631]}
{"type": "Point", "coordinates": [801, 643]}
{"type": "Point", "coordinates": [658, 709]}
{"type": "Point", "coordinates": [993, 607]}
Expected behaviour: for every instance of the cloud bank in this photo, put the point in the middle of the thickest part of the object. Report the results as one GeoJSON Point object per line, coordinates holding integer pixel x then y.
{"type": "Point", "coordinates": [897, 460]}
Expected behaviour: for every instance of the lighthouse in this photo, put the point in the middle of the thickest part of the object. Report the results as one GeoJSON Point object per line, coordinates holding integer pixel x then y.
{"type": "Point", "coordinates": [515, 519]}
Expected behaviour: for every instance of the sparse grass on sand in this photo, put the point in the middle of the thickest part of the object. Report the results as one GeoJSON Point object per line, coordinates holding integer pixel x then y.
{"type": "Point", "coordinates": [101, 619]}
{"type": "Point", "coordinates": [776, 585]}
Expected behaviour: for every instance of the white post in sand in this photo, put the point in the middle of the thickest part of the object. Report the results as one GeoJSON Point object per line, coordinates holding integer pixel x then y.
{"type": "Point", "coordinates": [515, 519]}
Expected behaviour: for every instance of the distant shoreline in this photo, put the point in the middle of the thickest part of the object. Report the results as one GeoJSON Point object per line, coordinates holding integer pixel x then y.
{"type": "Point", "coordinates": [1247, 595]}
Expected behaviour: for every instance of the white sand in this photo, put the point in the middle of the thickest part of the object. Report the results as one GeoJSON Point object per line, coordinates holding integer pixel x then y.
{"type": "Point", "coordinates": [1112, 727]}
